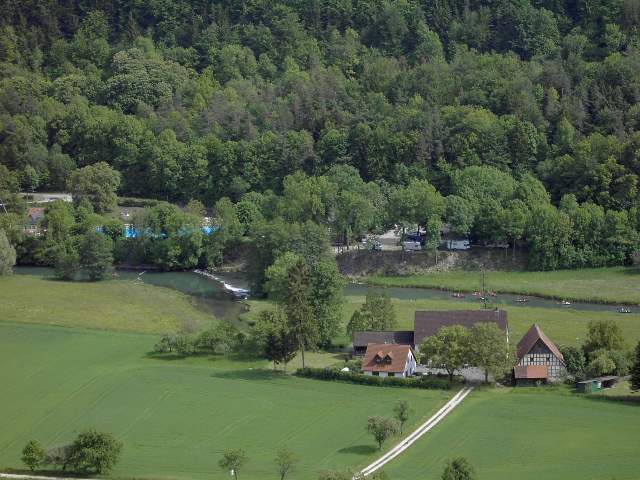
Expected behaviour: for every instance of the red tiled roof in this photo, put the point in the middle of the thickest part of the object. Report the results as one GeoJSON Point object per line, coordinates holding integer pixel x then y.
{"type": "Point", "coordinates": [530, 338]}
{"type": "Point", "coordinates": [532, 372]}
{"type": "Point", "coordinates": [397, 353]}
{"type": "Point", "coordinates": [427, 323]}
{"type": "Point", "coordinates": [402, 337]}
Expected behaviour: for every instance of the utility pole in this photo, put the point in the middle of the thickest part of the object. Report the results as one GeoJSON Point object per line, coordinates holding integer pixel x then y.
{"type": "Point", "coordinates": [484, 290]}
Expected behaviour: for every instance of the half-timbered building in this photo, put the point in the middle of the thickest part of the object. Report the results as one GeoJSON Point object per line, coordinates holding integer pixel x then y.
{"type": "Point", "coordinates": [536, 349]}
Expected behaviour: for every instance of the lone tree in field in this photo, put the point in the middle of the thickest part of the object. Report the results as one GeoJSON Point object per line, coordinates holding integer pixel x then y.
{"type": "Point", "coordinates": [449, 347]}
{"type": "Point", "coordinates": [635, 372]}
{"type": "Point", "coordinates": [94, 451]}
{"type": "Point", "coordinates": [33, 454]}
{"type": "Point", "coordinates": [459, 469]}
{"type": "Point", "coordinates": [381, 428]}
{"type": "Point", "coordinates": [401, 412]}
{"type": "Point", "coordinates": [233, 460]}
{"type": "Point", "coordinates": [298, 306]}
{"type": "Point", "coordinates": [286, 461]}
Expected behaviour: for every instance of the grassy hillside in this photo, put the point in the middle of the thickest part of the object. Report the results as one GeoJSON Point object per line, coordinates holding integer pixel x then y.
{"type": "Point", "coordinates": [530, 434]}
{"type": "Point", "coordinates": [176, 417]}
{"type": "Point", "coordinates": [607, 285]}
{"type": "Point", "coordinates": [114, 305]}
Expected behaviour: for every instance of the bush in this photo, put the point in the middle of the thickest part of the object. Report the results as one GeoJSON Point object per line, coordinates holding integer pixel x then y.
{"type": "Point", "coordinates": [33, 455]}
{"type": "Point", "coordinates": [137, 202]}
{"type": "Point", "coordinates": [426, 382]}
{"type": "Point", "coordinates": [94, 451]}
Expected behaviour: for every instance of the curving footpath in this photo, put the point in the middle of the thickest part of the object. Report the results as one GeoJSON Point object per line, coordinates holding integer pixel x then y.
{"type": "Point", "coordinates": [419, 432]}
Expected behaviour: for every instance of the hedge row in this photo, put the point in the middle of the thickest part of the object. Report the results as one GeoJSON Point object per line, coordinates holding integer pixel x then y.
{"type": "Point", "coordinates": [427, 382]}
{"type": "Point", "coordinates": [137, 202]}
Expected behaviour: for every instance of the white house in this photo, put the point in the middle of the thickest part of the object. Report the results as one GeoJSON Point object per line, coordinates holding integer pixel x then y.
{"type": "Point", "coordinates": [389, 360]}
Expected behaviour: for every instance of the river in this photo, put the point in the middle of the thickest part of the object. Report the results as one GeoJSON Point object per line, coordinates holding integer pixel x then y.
{"type": "Point", "coordinates": [216, 296]}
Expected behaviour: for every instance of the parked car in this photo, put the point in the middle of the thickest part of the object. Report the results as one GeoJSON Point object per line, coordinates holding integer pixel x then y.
{"type": "Point", "coordinates": [458, 244]}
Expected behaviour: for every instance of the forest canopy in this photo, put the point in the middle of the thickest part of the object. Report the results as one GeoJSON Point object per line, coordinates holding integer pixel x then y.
{"type": "Point", "coordinates": [514, 120]}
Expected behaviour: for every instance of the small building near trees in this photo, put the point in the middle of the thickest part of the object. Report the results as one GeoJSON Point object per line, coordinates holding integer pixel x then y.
{"type": "Point", "coordinates": [539, 359]}
{"type": "Point", "coordinates": [361, 340]}
{"type": "Point", "coordinates": [596, 384]}
{"type": "Point", "coordinates": [389, 360]}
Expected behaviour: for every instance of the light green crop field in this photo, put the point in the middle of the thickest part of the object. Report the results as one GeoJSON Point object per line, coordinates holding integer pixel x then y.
{"type": "Point", "coordinates": [176, 417]}
{"type": "Point", "coordinates": [123, 305]}
{"type": "Point", "coordinates": [530, 434]}
{"type": "Point", "coordinates": [607, 285]}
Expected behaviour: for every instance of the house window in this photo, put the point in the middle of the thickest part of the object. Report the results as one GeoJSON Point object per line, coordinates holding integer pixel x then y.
{"type": "Point", "coordinates": [391, 374]}
{"type": "Point", "coordinates": [376, 374]}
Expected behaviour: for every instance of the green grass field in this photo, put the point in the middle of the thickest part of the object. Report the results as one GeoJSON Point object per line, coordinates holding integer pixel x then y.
{"type": "Point", "coordinates": [607, 285]}
{"type": "Point", "coordinates": [123, 305]}
{"type": "Point", "coordinates": [176, 417]}
{"type": "Point", "coordinates": [564, 326]}
{"type": "Point", "coordinates": [530, 434]}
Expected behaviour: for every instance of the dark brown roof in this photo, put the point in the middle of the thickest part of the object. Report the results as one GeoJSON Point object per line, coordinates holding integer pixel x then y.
{"type": "Point", "coordinates": [427, 323]}
{"type": "Point", "coordinates": [362, 339]}
{"type": "Point", "coordinates": [397, 354]}
{"type": "Point", "coordinates": [531, 371]}
{"type": "Point", "coordinates": [530, 338]}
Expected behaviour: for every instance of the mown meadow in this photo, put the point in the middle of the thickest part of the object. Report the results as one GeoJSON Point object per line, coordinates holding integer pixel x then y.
{"type": "Point", "coordinates": [604, 285]}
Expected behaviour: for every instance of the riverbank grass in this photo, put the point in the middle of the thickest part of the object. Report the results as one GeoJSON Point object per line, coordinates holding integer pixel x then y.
{"type": "Point", "coordinates": [122, 305]}
{"type": "Point", "coordinates": [603, 285]}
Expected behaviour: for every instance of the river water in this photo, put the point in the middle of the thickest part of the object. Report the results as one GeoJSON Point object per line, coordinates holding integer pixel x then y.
{"type": "Point", "coordinates": [216, 296]}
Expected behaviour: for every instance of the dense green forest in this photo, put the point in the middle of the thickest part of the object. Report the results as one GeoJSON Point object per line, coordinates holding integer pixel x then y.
{"type": "Point", "coordinates": [510, 120]}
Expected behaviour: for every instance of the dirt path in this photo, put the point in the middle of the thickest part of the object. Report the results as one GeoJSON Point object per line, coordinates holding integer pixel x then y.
{"type": "Point", "coordinates": [419, 432]}
{"type": "Point", "coordinates": [38, 477]}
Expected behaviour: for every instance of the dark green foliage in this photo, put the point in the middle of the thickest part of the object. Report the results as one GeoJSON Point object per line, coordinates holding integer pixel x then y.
{"type": "Point", "coordinates": [94, 451]}
{"type": "Point", "coordinates": [635, 371]}
{"type": "Point", "coordinates": [7, 254]}
{"type": "Point", "coordinates": [95, 255]}
{"type": "Point", "coordinates": [459, 469]}
{"type": "Point", "coordinates": [426, 382]}
{"type": "Point", "coordinates": [359, 115]}
{"type": "Point", "coordinates": [574, 360]}
{"type": "Point", "coordinates": [376, 313]}
{"type": "Point", "coordinates": [33, 455]}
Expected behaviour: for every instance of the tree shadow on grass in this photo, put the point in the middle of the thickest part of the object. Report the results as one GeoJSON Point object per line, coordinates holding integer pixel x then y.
{"type": "Point", "coordinates": [172, 356]}
{"type": "Point", "coordinates": [631, 271]}
{"type": "Point", "coordinates": [359, 449]}
{"type": "Point", "coordinates": [249, 374]}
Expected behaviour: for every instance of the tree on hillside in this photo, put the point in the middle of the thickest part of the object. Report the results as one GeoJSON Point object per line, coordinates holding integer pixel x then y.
{"type": "Point", "coordinates": [382, 428]}
{"type": "Point", "coordinates": [635, 372]}
{"type": "Point", "coordinates": [7, 255]}
{"type": "Point", "coordinates": [94, 451]}
{"type": "Point", "coordinates": [298, 307]}
{"type": "Point", "coordinates": [96, 255]}
{"type": "Point", "coordinates": [33, 454]}
{"type": "Point", "coordinates": [489, 349]}
{"type": "Point", "coordinates": [459, 469]}
{"type": "Point", "coordinates": [402, 411]}
{"type": "Point", "coordinates": [98, 183]}
{"type": "Point", "coordinates": [233, 460]}
{"type": "Point", "coordinates": [376, 313]}
{"type": "Point", "coordinates": [285, 461]}
{"type": "Point", "coordinates": [603, 335]}
{"type": "Point", "coordinates": [448, 348]}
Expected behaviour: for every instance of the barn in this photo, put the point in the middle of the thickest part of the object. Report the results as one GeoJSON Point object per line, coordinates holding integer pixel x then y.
{"type": "Point", "coordinates": [538, 351]}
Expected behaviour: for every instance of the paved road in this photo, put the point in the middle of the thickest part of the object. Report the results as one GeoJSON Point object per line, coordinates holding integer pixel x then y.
{"type": "Point", "coordinates": [419, 432]}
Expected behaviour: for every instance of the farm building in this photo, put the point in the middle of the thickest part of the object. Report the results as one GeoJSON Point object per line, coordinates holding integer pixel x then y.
{"type": "Point", "coordinates": [389, 360]}
{"type": "Point", "coordinates": [362, 339]}
{"type": "Point", "coordinates": [596, 384]}
{"type": "Point", "coordinates": [427, 323]}
{"type": "Point", "coordinates": [537, 350]}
